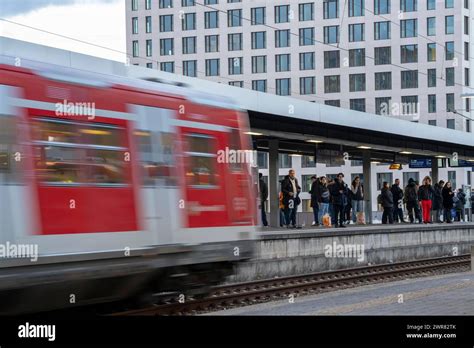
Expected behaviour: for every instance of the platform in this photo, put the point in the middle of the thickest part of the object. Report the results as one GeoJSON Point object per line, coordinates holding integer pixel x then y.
{"type": "Point", "coordinates": [287, 252]}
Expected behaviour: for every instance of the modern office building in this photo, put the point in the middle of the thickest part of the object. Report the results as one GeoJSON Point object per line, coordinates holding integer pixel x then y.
{"type": "Point", "coordinates": [398, 58]}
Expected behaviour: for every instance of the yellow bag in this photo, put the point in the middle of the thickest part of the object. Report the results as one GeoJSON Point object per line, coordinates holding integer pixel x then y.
{"type": "Point", "coordinates": [327, 220]}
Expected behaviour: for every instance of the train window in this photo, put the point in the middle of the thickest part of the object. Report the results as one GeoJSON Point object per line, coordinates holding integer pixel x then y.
{"type": "Point", "coordinates": [156, 157]}
{"type": "Point", "coordinates": [9, 149]}
{"type": "Point", "coordinates": [201, 154]}
{"type": "Point", "coordinates": [70, 153]}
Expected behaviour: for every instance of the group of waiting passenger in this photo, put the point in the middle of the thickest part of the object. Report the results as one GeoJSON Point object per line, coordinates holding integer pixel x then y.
{"type": "Point", "coordinates": [340, 203]}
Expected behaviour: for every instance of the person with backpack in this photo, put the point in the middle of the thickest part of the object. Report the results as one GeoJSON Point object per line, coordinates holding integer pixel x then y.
{"type": "Point", "coordinates": [425, 195]}
{"type": "Point", "coordinates": [438, 201]}
{"type": "Point", "coordinates": [339, 199]}
{"type": "Point", "coordinates": [314, 199]}
{"type": "Point", "coordinates": [459, 205]}
{"type": "Point", "coordinates": [263, 198]}
{"type": "Point", "coordinates": [291, 190]}
{"type": "Point", "coordinates": [448, 195]}
{"type": "Point", "coordinates": [323, 197]}
{"type": "Point", "coordinates": [397, 193]}
{"type": "Point", "coordinates": [387, 204]}
{"type": "Point", "coordinates": [411, 200]}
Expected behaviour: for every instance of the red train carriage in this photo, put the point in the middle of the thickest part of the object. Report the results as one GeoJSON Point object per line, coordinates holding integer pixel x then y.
{"type": "Point", "coordinates": [117, 179]}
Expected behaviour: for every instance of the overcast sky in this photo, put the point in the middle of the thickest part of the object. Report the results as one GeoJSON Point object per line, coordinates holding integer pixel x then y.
{"type": "Point", "coordinates": [101, 22]}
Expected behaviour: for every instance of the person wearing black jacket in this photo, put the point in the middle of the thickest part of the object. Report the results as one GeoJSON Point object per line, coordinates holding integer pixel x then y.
{"type": "Point", "coordinates": [357, 198]}
{"type": "Point", "coordinates": [339, 199]}
{"type": "Point", "coordinates": [461, 201]}
{"type": "Point", "coordinates": [323, 197]}
{"type": "Point", "coordinates": [263, 197]}
{"type": "Point", "coordinates": [397, 194]}
{"type": "Point", "coordinates": [411, 200]}
{"type": "Point", "coordinates": [425, 195]}
{"type": "Point", "coordinates": [387, 204]}
{"type": "Point", "coordinates": [291, 190]}
{"type": "Point", "coordinates": [448, 195]}
{"type": "Point", "coordinates": [314, 199]}
{"type": "Point", "coordinates": [438, 201]}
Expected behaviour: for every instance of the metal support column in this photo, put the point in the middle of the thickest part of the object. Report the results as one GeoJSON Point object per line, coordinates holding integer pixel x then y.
{"type": "Point", "coordinates": [367, 186]}
{"type": "Point", "coordinates": [434, 170]}
{"type": "Point", "coordinates": [273, 184]}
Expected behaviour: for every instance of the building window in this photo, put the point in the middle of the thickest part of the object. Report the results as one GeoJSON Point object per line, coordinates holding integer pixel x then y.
{"type": "Point", "coordinates": [307, 61]}
{"type": "Point", "coordinates": [234, 42]}
{"type": "Point", "coordinates": [306, 36]}
{"type": "Point", "coordinates": [431, 52]}
{"type": "Point", "coordinates": [282, 14]}
{"type": "Point", "coordinates": [431, 77]}
{"type": "Point", "coordinates": [236, 65]}
{"type": "Point", "coordinates": [147, 4]}
{"type": "Point", "coordinates": [432, 122]}
{"type": "Point", "coordinates": [356, 8]}
{"type": "Point", "coordinates": [449, 76]}
{"type": "Point", "coordinates": [381, 7]}
{"type": "Point", "coordinates": [259, 40]}
{"type": "Point", "coordinates": [408, 5]}
{"type": "Point", "coordinates": [307, 85]}
{"type": "Point", "coordinates": [409, 79]}
{"type": "Point", "coordinates": [306, 12]}
{"type": "Point", "coordinates": [331, 59]}
{"type": "Point", "coordinates": [282, 62]}
{"type": "Point", "coordinates": [165, 4]}
{"type": "Point", "coordinates": [135, 49]}
{"type": "Point", "coordinates": [166, 23]}
{"type": "Point", "coordinates": [186, 3]}
{"type": "Point", "coordinates": [466, 25]}
{"type": "Point", "coordinates": [332, 84]}
{"type": "Point", "coordinates": [449, 25]}
{"type": "Point", "coordinates": [167, 66]}
{"type": "Point", "coordinates": [356, 82]}
{"type": "Point", "coordinates": [211, 43]}
{"type": "Point", "coordinates": [334, 102]}
{"type": "Point", "coordinates": [148, 26]}
{"type": "Point", "coordinates": [237, 84]}
{"type": "Point", "coordinates": [356, 32]}
{"type": "Point", "coordinates": [259, 64]}
{"type": "Point", "coordinates": [211, 19]}
{"type": "Point", "coordinates": [383, 55]}
{"type": "Point", "coordinates": [189, 21]}
{"type": "Point", "coordinates": [357, 57]}
{"type": "Point", "coordinates": [284, 160]}
{"type": "Point", "coordinates": [189, 45]}
{"type": "Point", "coordinates": [450, 102]}
{"type": "Point", "coordinates": [258, 16]}
{"type": "Point", "coordinates": [451, 124]}
{"type": "Point", "coordinates": [190, 68]}
{"type": "Point", "coordinates": [408, 28]}
{"type": "Point", "coordinates": [449, 50]}
{"type": "Point", "coordinates": [234, 18]}
{"type": "Point", "coordinates": [382, 106]}
{"type": "Point", "coordinates": [135, 25]}
{"type": "Point", "coordinates": [282, 38]}
{"type": "Point", "coordinates": [409, 53]}
{"type": "Point", "coordinates": [166, 47]}
{"type": "Point", "coordinates": [449, 3]}
{"type": "Point", "coordinates": [431, 26]}
{"type": "Point", "coordinates": [308, 161]}
{"type": "Point", "coordinates": [382, 30]}
{"type": "Point", "coordinates": [357, 104]}
{"type": "Point", "coordinates": [149, 65]}
{"type": "Point", "coordinates": [331, 34]}
{"type": "Point", "coordinates": [212, 67]}
{"type": "Point", "coordinates": [149, 47]}
{"type": "Point", "coordinates": [331, 9]}
{"type": "Point", "coordinates": [468, 129]}
{"type": "Point", "coordinates": [134, 5]}
{"type": "Point", "coordinates": [259, 85]}
{"type": "Point", "coordinates": [466, 51]}
{"type": "Point", "coordinates": [283, 86]}
{"type": "Point", "coordinates": [409, 105]}
{"type": "Point", "coordinates": [467, 81]}
{"type": "Point", "coordinates": [431, 103]}
{"type": "Point", "coordinates": [262, 160]}
{"type": "Point", "coordinates": [383, 80]}
{"type": "Point", "coordinates": [431, 4]}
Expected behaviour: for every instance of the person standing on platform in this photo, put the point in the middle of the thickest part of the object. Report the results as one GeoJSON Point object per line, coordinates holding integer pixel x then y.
{"type": "Point", "coordinates": [357, 198]}
{"type": "Point", "coordinates": [397, 194]}
{"type": "Point", "coordinates": [460, 202]}
{"type": "Point", "coordinates": [411, 200]}
{"type": "Point", "coordinates": [387, 204]}
{"type": "Point", "coordinates": [339, 198]}
{"type": "Point", "coordinates": [291, 190]}
{"type": "Point", "coordinates": [283, 222]}
{"type": "Point", "coordinates": [263, 198]}
{"type": "Point", "coordinates": [314, 199]}
{"type": "Point", "coordinates": [323, 197]}
{"type": "Point", "coordinates": [448, 195]}
{"type": "Point", "coordinates": [425, 195]}
{"type": "Point", "coordinates": [331, 205]}
{"type": "Point", "coordinates": [438, 201]}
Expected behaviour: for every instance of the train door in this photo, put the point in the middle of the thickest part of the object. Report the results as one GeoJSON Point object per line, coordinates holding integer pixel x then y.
{"type": "Point", "coordinates": [17, 217]}
{"type": "Point", "coordinates": [160, 196]}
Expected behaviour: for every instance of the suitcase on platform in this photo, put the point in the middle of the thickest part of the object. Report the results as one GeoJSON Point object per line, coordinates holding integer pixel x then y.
{"type": "Point", "coordinates": [327, 220]}
{"type": "Point", "coordinates": [360, 218]}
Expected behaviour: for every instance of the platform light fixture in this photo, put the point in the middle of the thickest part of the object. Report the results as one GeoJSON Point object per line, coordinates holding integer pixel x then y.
{"type": "Point", "coordinates": [440, 156]}
{"type": "Point", "coordinates": [363, 147]}
{"type": "Point", "coordinates": [406, 152]}
{"type": "Point", "coordinates": [315, 141]}
{"type": "Point", "coordinates": [253, 133]}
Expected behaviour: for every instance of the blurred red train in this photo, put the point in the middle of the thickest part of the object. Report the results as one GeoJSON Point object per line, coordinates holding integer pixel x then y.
{"type": "Point", "coordinates": [116, 182]}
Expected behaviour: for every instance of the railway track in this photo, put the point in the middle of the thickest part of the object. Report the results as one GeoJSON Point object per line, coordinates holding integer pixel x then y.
{"type": "Point", "coordinates": [241, 294]}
